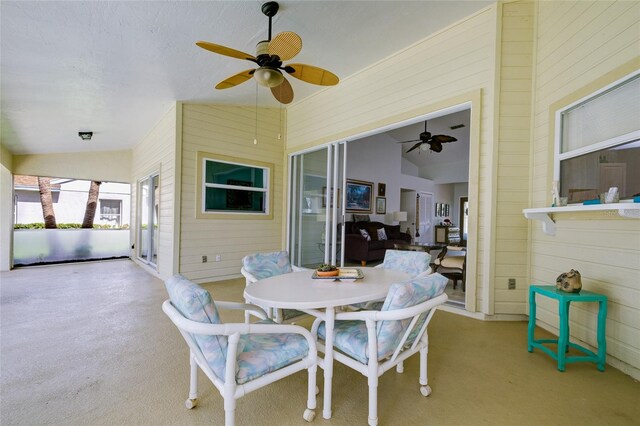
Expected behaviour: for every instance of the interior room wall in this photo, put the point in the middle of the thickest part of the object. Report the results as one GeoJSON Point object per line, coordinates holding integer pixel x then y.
{"type": "Point", "coordinates": [447, 172]}
{"type": "Point", "coordinates": [459, 190]}
{"type": "Point", "coordinates": [157, 152]}
{"type": "Point", "coordinates": [378, 159]}
{"type": "Point", "coordinates": [230, 131]}
{"type": "Point", "coordinates": [596, 44]}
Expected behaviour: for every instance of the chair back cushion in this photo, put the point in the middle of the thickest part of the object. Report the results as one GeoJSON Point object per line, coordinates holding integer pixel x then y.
{"type": "Point", "coordinates": [404, 295]}
{"type": "Point", "coordinates": [265, 265]}
{"type": "Point", "coordinates": [195, 303]}
{"type": "Point", "coordinates": [411, 262]}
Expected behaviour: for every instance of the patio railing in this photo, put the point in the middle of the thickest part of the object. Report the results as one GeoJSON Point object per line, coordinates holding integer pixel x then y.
{"type": "Point", "coordinates": [34, 246]}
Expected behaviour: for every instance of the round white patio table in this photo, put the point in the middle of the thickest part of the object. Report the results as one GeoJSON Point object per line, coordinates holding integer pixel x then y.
{"type": "Point", "coordinates": [298, 290]}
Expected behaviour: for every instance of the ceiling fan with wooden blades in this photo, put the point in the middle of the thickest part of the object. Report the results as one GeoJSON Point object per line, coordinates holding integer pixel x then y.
{"type": "Point", "coordinates": [434, 141]}
{"type": "Point", "coordinates": [269, 58]}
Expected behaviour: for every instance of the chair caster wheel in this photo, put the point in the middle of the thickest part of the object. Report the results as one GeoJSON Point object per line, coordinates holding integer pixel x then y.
{"type": "Point", "coordinates": [309, 415]}
{"type": "Point", "coordinates": [190, 403]}
{"type": "Point", "coordinates": [425, 390]}
{"type": "Point", "coordinates": [317, 390]}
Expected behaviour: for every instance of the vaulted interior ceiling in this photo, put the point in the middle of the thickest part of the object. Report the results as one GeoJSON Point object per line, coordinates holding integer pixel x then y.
{"type": "Point", "coordinates": [115, 67]}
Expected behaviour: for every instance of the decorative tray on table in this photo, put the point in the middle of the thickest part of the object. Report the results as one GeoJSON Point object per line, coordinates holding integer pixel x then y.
{"type": "Point", "coordinates": [344, 274]}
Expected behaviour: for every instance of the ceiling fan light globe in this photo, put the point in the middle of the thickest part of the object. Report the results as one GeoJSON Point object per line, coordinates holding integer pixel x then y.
{"type": "Point", "coordinates": [424, 147]}
{"type": "Point", "coordinates": [268, 77]}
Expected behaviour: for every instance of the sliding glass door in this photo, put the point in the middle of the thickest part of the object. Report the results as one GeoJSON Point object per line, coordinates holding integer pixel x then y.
{"type": "Point", "coordinates": [148, 219]}
{"type": "Point", "coordinates": [315, 206]}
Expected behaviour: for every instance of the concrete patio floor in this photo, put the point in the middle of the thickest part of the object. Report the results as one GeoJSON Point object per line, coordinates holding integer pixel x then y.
{"type": "Point", "coordinates": [88, 344]}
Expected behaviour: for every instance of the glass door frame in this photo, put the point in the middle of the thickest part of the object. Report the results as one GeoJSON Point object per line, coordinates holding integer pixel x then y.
{"type": "Point", "coordinates": [334, 214]}
{"type": "Point", "coordinates": [151, 235]}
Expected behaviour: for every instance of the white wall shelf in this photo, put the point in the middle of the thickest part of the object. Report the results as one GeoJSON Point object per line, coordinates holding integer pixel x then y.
{"type": "Point", "coordinates": [628, 210]}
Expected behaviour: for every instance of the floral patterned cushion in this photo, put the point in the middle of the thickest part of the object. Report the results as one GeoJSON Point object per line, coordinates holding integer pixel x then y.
{"type": "Point", "coordinates": [258, 354]}
{"type": "Point", "coordinates": [264, 353]}
{"type": "Point", "coordinates": [350, 337]}
{"type": "Point", "coordinates": [195, 303]}
{"type": "Point", "coordinates": [403, 295]}
{"type": "Point", "coordinates": [265, 265]}
{"type": "Point", "coordinates": [411, 262]}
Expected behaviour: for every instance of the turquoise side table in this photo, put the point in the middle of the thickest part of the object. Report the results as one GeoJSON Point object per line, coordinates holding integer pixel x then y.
{"type": "Point", "coordinates": [564, 299]}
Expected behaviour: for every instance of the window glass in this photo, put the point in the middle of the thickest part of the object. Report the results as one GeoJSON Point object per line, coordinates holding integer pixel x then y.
{"type": "Point", "coordinates": [234, 174]}
{"type": "Point", "coordinates": [586, 176]}
{"type": "Point", "coordinates": [222, 192]}
{"type": "Point", "coordinates": [605, 116]}
{"type": "Point", "coordinates": [110, 210]}
{"type": "Point", "coordinates": [599, 143]}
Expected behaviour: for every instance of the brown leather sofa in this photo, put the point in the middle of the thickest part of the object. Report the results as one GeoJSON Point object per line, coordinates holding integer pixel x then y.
{"type": "Point", "coordinates": [357, 248]}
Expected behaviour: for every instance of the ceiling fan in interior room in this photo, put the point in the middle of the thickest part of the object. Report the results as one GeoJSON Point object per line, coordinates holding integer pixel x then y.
{"type": "Point", "coordinates": [269, 58]}
{"type": "Point", "coordinates": [434, 141]}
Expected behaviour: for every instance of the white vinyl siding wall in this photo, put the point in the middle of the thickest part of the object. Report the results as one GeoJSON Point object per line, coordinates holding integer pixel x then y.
{"type": "Point", "coordinates": [453, 62]}
{"type": "Point", "coordinates": [228, 131]}
{"type": "Point", "coordinates": [514, 117]}
{"type": "Point", "coordinates": [577, 44]}
{"type": "Point", "coordinates": [157, 153]}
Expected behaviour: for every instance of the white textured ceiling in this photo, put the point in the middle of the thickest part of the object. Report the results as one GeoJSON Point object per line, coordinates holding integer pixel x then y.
{"type": "Point", "coordinates": [114, 67]}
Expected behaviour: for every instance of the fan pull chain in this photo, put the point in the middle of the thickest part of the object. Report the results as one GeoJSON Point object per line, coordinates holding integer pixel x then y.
{"type": "Point", "coordinates": [280, 132]}
{"type": "Point", "coordinates": [255, 139]}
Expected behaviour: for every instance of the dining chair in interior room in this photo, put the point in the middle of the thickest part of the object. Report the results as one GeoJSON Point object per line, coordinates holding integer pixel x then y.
{"type": "Point", "coordinates": [452, 263]}
{"type": "Point", "coordinates": [238, 358]}
{"type": "Point", "coordinates": [264, 265]}
{"type": "Point", "coordinates": [372, 342]}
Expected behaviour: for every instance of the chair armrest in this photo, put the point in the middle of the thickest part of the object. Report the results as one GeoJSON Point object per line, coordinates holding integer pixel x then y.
{"type": "Point", "coordinates": [248, 275]}
{"type": "Point", "coordinates": [299, 268]}
{"type": "Point", "coordinates": [228, 329]}
{"type": "Point", "coordinates": [395, 314]}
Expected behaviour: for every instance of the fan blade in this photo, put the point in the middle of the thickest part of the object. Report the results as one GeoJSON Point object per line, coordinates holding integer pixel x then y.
{"type": "Point", "coordinates": [311, 74]}
{"type": "Point", "coordinates": [284, 92]}
{"type": "Point", "coordinates": [414, 147]}
{"type": "Point", "coordinates": [443, 138]}
{"type": "Point", "coordinates": [435, 146]}
{"type": "Point", "coordinates": [286, 45]}
{"type": "Point", "coordinates": [234, 80]}
{"type": "Point", "coordinates": [226, 51]}
{"type": "Point", "coordinates": [417, 140]}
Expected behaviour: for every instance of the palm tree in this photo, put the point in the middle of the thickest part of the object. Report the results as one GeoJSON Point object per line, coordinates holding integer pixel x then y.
{"type": "Point", "coordinates": [44, 185]}
{"type": "Point", "coordinates": [92, 203]}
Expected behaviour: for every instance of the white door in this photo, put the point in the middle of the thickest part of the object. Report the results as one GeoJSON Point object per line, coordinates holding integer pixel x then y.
{"type": "Point", "coordinates": [427, 219]}
{"type": "Point", "coordinates": [613, 174]}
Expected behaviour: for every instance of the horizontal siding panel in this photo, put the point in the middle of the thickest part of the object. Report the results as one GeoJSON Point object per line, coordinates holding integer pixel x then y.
{"type": "Point", "coordinates": [228, 131]}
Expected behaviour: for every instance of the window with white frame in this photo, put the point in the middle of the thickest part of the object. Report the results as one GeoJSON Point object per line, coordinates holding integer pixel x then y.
{"type": "Point", "coordinates": [111, 211]}
{"type": "Point", "coordinates": [234, 186]}
{"type": "Point", "coordinates": [598, 143]}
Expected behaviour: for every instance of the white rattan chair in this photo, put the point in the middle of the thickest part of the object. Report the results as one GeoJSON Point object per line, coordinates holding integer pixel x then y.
{"type": "Point", "coordinates": [414, 263]}
{"type": "Point", "coordinates": [238, 358]}
{"type": "Point", "coordinates": [264, 265]}
{"type": "Point", "coordinates": [392, 334]}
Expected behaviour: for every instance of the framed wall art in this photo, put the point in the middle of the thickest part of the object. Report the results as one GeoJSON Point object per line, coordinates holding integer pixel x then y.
{"type": "Point", "coordinates": [381, 205]}
{"type": "Point", "coordinates": [359, 196]}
